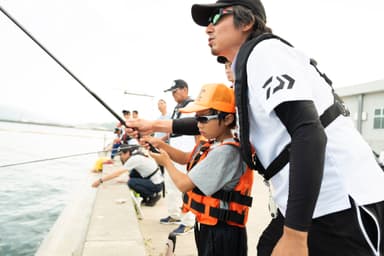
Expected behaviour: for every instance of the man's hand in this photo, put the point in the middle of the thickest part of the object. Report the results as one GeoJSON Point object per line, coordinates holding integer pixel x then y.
{"type": "Point", "coordinates": [136, 127]}
{"type": "Point", "coordinates": [292, 243]}
{"type": "Point", "coordinates": [96, 183]}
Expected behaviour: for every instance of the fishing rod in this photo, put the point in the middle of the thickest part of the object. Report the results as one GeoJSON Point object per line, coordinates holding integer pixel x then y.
{"type": "Point", "coordinates": [62, 65]}
{"type": "Point", "coordinates": [69, 72]}
{"type": "Point", "coordinates": [52, 158]}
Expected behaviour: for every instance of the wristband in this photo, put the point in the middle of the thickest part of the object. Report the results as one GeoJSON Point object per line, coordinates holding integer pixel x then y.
{"type": "Point", "coordinates": [101, 180]}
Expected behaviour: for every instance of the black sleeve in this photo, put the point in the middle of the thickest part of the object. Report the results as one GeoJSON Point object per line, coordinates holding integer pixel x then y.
{"type": "Point", "coordinates": [185, 126]}
{"type": "Point", "coordinates": [308, 141]}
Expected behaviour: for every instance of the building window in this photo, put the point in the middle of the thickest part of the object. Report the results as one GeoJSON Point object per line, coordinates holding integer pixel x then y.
{"type": "Point", "coordinates": [378, 119]}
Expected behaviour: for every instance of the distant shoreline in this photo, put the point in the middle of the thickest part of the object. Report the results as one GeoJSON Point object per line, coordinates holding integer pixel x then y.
{"type": "Point", "coordinates": [56, 125]}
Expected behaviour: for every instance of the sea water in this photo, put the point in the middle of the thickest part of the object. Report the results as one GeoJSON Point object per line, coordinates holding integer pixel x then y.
{"type": "Point", "coordinates": [33, 195]}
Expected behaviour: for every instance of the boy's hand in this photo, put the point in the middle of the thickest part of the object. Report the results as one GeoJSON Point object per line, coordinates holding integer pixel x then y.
{"type": "Point", "coordinates": [156, 142]}
{"type": "Point", "coordinates": [161, 158]}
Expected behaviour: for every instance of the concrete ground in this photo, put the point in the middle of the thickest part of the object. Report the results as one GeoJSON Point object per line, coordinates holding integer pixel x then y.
{"type": "Point", "coordinates": [115, 229]}
{"type": "Point", "coordinates": [155, 234]}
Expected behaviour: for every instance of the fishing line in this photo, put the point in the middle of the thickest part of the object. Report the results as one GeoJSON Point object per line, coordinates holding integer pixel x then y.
{"type": "Point", "coordinates": [62, 65]}
{"type": "Point", "coordinates": [52, 158]}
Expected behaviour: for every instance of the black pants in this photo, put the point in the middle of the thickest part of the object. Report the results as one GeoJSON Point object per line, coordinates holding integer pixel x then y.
{"type": "Point", "coordinates": [144, 187]}
{"type": "Point", "coordinates": [336, 234]}
{"type": "Point", "coordinates": [220, 240]}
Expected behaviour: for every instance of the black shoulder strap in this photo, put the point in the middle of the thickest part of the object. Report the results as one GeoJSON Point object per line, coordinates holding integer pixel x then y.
{"type": "Point", "coordinates": [153, 173]}
{"type": "Point", "coordinates": [330, 114]}
{"type": "Point", "coordinates": [176, 114]}
{"type": "Point", "coordinates": [241, 92]}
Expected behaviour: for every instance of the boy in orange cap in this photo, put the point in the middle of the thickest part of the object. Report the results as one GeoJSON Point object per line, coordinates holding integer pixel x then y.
{"type": "Point", "coordinates": [218, 184]}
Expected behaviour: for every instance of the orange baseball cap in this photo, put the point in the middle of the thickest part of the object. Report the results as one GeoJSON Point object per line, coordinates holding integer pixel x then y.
{"type": "Point", "coordinates": [216, 96]}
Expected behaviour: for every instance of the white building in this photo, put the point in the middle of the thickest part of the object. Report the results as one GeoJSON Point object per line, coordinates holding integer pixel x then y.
{"type": "Point", "coordinates": [366, 104]}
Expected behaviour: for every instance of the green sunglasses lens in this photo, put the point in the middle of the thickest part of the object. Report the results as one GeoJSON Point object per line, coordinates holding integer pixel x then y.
{"type": "Point", "coordinates": [216, 18]}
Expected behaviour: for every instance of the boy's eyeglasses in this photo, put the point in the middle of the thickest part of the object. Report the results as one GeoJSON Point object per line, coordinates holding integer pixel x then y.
{"type": "Point", "coordinates": [205, 119]}
{"type": "Point", "coordinates": [216, 16]}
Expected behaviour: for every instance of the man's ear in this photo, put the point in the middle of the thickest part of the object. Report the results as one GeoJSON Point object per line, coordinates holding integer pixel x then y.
{"type": "Point", "coordinates": [248, 27]}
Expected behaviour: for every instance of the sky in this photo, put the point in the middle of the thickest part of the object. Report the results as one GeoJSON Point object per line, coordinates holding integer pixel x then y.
{"type": "Point", "coordinates": [120, 48]}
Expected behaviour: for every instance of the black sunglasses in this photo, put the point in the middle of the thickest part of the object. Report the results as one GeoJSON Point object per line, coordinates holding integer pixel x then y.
{"type": "Point", "coordinates": [216, 16]}
{"type": "Point", "coordinates": [205, 119]}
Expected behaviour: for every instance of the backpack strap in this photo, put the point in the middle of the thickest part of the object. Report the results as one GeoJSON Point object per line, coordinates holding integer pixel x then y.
{"type": "Point", "coordinates": [241, 93]}
{"type": "Point", "coordinates": [153, 173]}
{"type": "Point", "coordinates": [283, 158]}
{"type": "Point", "coordinates": [176, 113]}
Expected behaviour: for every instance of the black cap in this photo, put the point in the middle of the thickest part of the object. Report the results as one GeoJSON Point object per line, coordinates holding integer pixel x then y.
{"type": "Point", "coordinates": [124, 148]}
{"type": "Point", "coordinates": [202, 12]}
{"type": "Point", "coordinates": [178, 83]}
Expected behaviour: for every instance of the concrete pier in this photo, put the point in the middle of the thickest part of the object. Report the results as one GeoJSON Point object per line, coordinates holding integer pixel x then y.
{"type": "Point", "coordinates": [155, 234]}
{"type": "Point", "coordinates": [114, 229]}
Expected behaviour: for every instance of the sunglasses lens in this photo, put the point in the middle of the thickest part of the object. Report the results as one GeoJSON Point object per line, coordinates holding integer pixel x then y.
{"type": "Point", "coordinates": [202, 119]}
{"type": "Point", "coordinates": [216, 18]}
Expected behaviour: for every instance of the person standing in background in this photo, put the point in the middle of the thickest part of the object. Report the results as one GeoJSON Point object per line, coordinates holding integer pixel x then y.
{"type": "Point", "coordinates": [135, 114]}
{"type": "Point", "coordinates": [116, 141]}
{"type": "Point", "coordinates": [184, 143]}
{"type": "Point", "coordinates": [126, 114]}
{"type": "Point", "coordinates": [125, 138]}
{"type": "Point", "coordinates": [164, 115]}
{"type": "Point", "coordinates": [228, 69]}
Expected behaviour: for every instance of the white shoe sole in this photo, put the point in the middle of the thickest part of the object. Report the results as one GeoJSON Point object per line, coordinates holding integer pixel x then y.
{"type": "Point", "coordinates": [185, 233]}
{"type": "Point", "coordinates": [171, 223]}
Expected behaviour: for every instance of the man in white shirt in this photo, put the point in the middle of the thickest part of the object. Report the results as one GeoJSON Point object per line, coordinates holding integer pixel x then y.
{"type": "Point", "coordinates": [145, 177]}
{"type": "Point", "coordinates": [330, 191]}
{"type": "Point", "coordinates": [326, 182]}
{"type": "Point", "coordinates": [164, 115]}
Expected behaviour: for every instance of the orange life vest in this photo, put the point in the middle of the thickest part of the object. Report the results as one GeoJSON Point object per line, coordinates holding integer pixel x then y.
{"type": "Point", "coordinates": [207, 208]}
